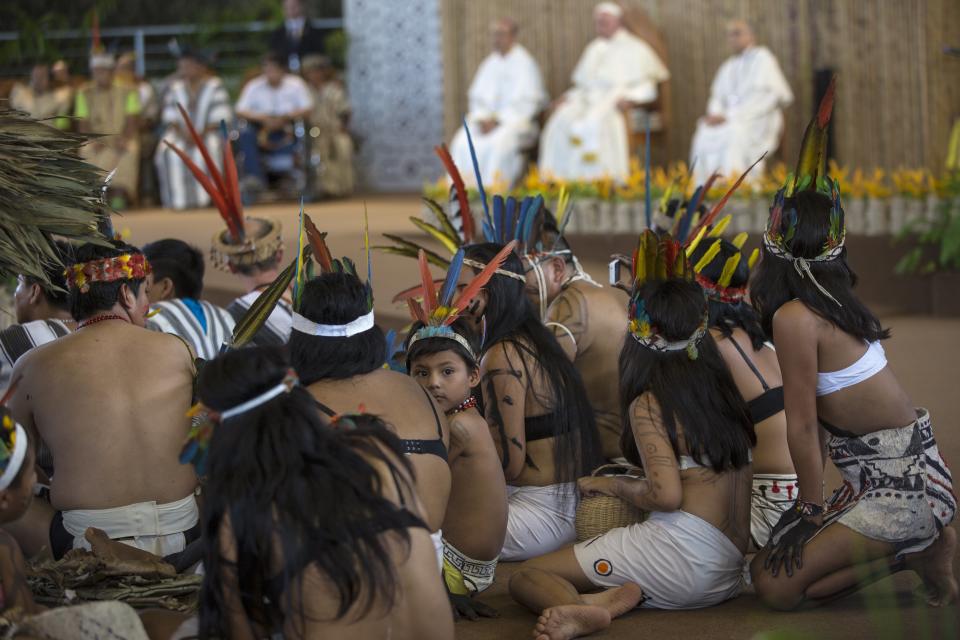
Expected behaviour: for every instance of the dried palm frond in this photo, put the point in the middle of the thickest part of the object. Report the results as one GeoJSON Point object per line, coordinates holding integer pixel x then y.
{"type": "Point", "coordinates": [46, 190]}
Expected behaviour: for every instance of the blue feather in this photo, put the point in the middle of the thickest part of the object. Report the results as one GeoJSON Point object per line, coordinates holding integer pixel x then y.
{"type": "Point", "coordinates": [488, 233]}
{"type": "Point", "coordinates": [687, 219]}
{"type": "Point", "coordinates": [498, 218]}
{"type": "Point", "coordinates": [517, 230]}
{"type": "Point", "coordinates": [512, 212]}
{"type": "Point", "coordinates": [452, 280]}
{"type": "Point", "coordinates": [532, 212]}
{"type": "Point", "coordinates": [223, 129]}
{"type": "Point", "coordinates": [476, 170]}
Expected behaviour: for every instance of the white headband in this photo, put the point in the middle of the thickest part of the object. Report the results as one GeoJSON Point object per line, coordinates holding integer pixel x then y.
{"type": "Point", "coordinates": [352, 328]}
{"type": "Point", "coordinates": [609, 7]}
{"type": "Point", "coordinates": [16, 458]}
{"type": "Point", "coordinates": [289, 382]}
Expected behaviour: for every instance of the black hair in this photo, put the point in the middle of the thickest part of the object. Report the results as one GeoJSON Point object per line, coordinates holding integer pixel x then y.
{"type": "Point", "coordinates": [776, 281]}
{"type": "Point", "coordinates": [298, 494]}
{"type": "Point", "coordinates": [257, 267]}
{"type": "Point", "coordinates": [336, 298]}
{"type": "Point", "coordinates": [177, 260]}
{"type": "Point", "coordinates": [551, 239]}
{"type": "Point", "coordinates": [727, 316]}
{"type": "Point", "coordinates": [56, 293]}
{"type": "Point", "coordinates": [698, 395]}
{"type": "Point", "coordinates": [511, 318]}
{"type": "Point", "coordinates": [273, 57]}
{"type": "Point", "coordinates": [102, 295]}
{"type": "Point", "coordinates": [430, 346]}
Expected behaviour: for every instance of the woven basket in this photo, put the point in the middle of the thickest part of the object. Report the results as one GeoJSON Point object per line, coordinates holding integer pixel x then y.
{"type": "Point", "coordinates": [599, 514]}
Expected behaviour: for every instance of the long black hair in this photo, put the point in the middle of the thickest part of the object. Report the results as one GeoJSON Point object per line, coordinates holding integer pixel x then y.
{"type": "Point", "coordinates": [698, 395]}
{"type": "Point", "coordinates": [776, 281]}
{"type": "Point", "coordinates": [294, 489]}
{"type": "Point", "coordinates": [727, 316]}
{"type": "Point", "coordinates": [510, 317]}
{"type": "Point", "coordinates": [336, 298]}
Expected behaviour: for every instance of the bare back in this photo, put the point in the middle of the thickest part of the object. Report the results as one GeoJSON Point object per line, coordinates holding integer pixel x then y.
{"type": "Point", "coordinates": [410, 413]}
{"type": "Point", "coordinates": [595, 318]}
{"type": "Point", "coordinates": [110, 401]}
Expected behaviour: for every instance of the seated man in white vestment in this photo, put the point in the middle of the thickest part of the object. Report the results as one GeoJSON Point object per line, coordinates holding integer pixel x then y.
{"type": "Point", "coordinates": [506, 96]}
{"type": "Point", "coordinates": [744, 117]}
{"type": "Point", "coordinates": [586, 137]}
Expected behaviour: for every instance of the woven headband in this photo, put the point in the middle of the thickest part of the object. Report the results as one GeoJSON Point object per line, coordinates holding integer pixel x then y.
{"type": "Point", "coordinates": [727, 295]}
{"type": "Point", "coordinates": [129, 266]}
{"type": "Point", "coordinates": [502, 272]}
{"type": "Point", "coordinates": [352, 328]}
{"type": "Point", "coordinates": [802, 265]}
{"type": "Point", "coordinates": [444, 332]}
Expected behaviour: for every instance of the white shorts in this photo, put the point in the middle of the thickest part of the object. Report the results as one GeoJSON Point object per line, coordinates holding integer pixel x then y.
{"type": "Point", "coordinates": [773, 493]}
{"type": "Point", "coordinates": [679, 560]}
{"type": "Point", "coordinates": [465, 574]}
{"type": "Point", "coordinates": [539, 520]}
{"type": "Point", "coordinates": [437, 539]}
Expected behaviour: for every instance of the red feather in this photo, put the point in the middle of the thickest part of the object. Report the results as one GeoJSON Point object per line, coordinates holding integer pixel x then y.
{"type": "Point", "coordinates": [417, 311]}
{"type": "Point", "coordinates": [709, 218]}
{"type": "Point", "coordinates": [429, 288]}
{"type": "Point", "coordinates": [232, 183]}
{"type": "Point", "coordinates": [414, 292]}
{"type": "Point", "coordinates": [321, 253]}
{"type": "Point", "coordinates": [481, 280]}
{"type": "Point", "coordinates": [826, 104]}
{"type": "Point", "coordinates": [215, 195]}
{"type": "Point", "coordinates": [207, 158]}
{"type": "Point", "coordinates": [454, 173]}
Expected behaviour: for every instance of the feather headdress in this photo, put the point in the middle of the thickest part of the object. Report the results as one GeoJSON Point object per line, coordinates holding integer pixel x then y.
{"type": "Point", "coordinates": [657, 259]}
{"type": "Point", "coordinates": [441, 307]}
{"type": "Point", "coordinates": [810, 175]}
{"type": "Point", "coordinates": [13, 444]}
{"type": "Point", "coordinates": [719, 289]}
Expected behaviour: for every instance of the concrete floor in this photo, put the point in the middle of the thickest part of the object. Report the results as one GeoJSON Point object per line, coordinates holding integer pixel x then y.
{"type": "Point", "coordinates": [924, 352]}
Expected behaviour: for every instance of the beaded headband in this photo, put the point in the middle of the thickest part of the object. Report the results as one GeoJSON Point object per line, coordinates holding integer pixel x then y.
{"type": "Point", "coordinates": [13, 450]}
{"type": "Point", "coordinates": [720, 290]}
{"type": "Point", "coordinates": [444, 332]}
{"type": "Point", "coordinates": [129, 266]}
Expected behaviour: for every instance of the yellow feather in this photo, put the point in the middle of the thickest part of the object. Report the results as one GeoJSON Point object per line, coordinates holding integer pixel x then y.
{"type": "Point", "coordinates": [753, 258]}
{"type": "Point", "coordinates": [740, 240]}
{"type": "Point", "coordinates": [721, 225]}
{"type": "Point", "coordinates": [439, 235]}
{"type": "Point", "coordinates": [728, 268]}
{"type": "Point", "coordinates": [693, 245]}
{"type": "Point", "coordinates": [708, 257]}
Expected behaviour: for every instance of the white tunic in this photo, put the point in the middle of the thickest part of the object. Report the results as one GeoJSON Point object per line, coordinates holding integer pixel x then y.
{"type": "Point", "coordinates": [586, 137]}
{"type": "Point", "coordinates": [509, 88]}
{"type": "Point", "coordinates": [749, 90]}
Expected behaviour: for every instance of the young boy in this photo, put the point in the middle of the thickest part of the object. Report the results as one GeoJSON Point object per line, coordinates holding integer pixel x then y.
{"type": "Point", "coordinates": [17, 477]}
{"type": "Point", "coordinates": [476, 519]}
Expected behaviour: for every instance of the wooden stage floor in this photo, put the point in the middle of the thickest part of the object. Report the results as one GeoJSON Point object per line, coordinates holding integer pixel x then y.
{"type": "Point", "coordinates": [924, 352]}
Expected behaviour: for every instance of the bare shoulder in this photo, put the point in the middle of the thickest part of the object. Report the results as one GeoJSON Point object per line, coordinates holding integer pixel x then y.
{"type": "Point", "coordinates": [645, 408]}
{"type": "Point", "coordinates": [471, 422]}
{"type": "Point", "coordinates": [795, 314]}
{"type": "Point", "coordinates": [500, 355]}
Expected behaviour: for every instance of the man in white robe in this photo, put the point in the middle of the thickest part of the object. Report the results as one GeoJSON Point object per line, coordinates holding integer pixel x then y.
{"type": "Point", "coordinates": [744, 115]}
{"type": "Point", "coordinates": [506, 96]}
{"type": "Point", "coordinates": [586, 137]}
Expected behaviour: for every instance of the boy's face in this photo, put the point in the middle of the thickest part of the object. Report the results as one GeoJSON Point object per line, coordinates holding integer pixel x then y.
{"type": "Point", "coordinates": [15, 500]}
{"type": "Point", "coordinates": [446, 377]}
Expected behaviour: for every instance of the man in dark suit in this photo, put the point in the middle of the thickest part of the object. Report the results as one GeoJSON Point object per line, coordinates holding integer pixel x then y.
{"type": "Point", "coordinates": [295, 38]}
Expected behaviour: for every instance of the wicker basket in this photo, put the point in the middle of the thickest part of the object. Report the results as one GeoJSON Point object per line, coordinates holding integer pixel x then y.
{"type": "Point", "coordinates": [599, 514]}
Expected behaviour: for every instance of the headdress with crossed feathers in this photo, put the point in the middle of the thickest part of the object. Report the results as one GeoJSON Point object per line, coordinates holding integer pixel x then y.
{"type": "Point", "coordinates": [810, 175]}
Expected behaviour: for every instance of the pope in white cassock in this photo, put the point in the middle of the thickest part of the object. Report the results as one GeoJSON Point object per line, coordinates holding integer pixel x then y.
{"type": "Point", "coordinates": [586, 137]}
{"type": "Point", "coordinates": [744, 117]}
{"type": "Point", "coordinates": [505, 97]}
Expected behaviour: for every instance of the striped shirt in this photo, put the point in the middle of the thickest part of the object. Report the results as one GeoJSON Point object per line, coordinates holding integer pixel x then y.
{"type": "Point", "coordinates": [204, 336]}
{"type": "Point", "coordinates": [276, 330]}
{"type": "Point", "coordinates": [17, 339]}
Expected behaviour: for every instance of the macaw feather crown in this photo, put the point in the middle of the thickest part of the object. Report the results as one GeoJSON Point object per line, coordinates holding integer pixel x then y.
{"type": "Point", "coordinates": [128, 266]}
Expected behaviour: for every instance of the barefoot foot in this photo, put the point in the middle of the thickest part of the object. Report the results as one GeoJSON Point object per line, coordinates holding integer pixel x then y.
{"type": "Point", "coordinates": [935, 567]}
{"type": "Point", "coordinates": [618, 600]}
{"type": "Point", "coordinates": [570, 621]}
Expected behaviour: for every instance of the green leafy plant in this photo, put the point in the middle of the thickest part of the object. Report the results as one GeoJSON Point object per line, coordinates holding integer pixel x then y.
{"type": "Point", "coordinates": [938, 241]}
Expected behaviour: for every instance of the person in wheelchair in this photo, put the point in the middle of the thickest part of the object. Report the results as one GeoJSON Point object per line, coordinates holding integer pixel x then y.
{"type": "Point", "coordinates": [271, 107]}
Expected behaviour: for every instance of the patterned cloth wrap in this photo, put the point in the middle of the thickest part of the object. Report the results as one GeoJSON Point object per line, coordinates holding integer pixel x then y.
{"type": "Point", "coordinates": [897, 488]}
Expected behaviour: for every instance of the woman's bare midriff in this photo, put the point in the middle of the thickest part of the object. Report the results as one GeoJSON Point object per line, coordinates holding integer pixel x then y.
{"type": "Point", "coordinates": [540, 454]}
{"type": "Point", "coordinates": [721, 499]}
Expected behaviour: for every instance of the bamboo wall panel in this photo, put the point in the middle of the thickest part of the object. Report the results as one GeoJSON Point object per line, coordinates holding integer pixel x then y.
{"type": "Point", "coordinates": [898, 93]}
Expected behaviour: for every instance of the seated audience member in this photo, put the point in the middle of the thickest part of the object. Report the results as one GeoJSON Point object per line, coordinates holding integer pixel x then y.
{"type": "Point", "coordinates": [723, 274]}
{"type": "Point", "coordinates": [585, 137]}
{"type": "Point", "coordinates": [105, 107]}
{"type": "Point", "coordinates": [537, 408]}
{"type": "Point", "coordinates": [894, 508]}
{"type": "Point", "coordinates": [205, 98]}
{"type": "Point", "coordinates": [110, 402]}
{"type": "Point", "coordinates": [687, 426]}
{"type": "Point", "coordinates": [586, 319]}
{"type": "Point", "coordinates": [174, 290]}
{"type": "Point", "coordinates": [339, 352]}
{"type": "Point", "coordinates": [17, 477]}
{"type": "Point", "coordinates": [330, 139]}
{"type": "Point", "coordinates": [744, 116]}
{"type": "Point", "coordinates": [270, 103]}
{"type": "Point", "coordinates": [441, 357]}
{"type": "Point", "coordinates": [40, 99]}
{"type": "Point", "coordinates": [311, 529]}
{"type": "Point", "coordinates": [43, 313]}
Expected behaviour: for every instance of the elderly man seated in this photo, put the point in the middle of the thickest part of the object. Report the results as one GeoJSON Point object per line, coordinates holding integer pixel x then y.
{"type": "Point", "coordinates": [271, 104]}
{"type": "Point", "coordinates": [586, 137]}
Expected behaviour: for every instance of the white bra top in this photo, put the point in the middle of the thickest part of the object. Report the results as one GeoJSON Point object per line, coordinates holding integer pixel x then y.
{"type": "Point", "coordinates": [869, 364]}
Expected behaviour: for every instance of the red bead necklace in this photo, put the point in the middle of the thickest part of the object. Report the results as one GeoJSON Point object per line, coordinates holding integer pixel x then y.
{"type": "Point", "coordinates": [469, 403]}
{"type": "Point", "coordinates": [100, 318]}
